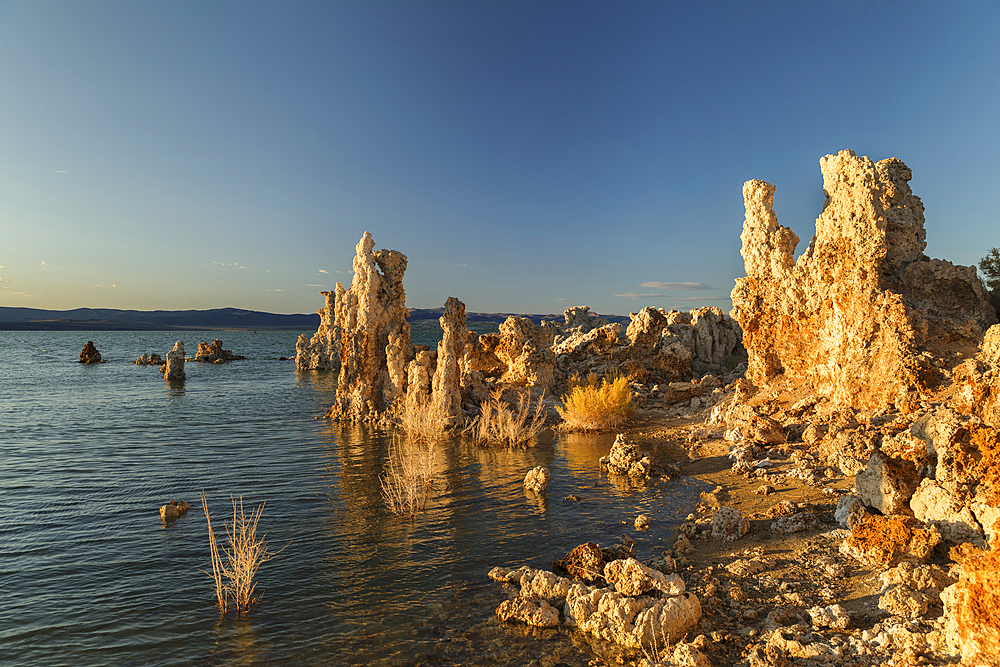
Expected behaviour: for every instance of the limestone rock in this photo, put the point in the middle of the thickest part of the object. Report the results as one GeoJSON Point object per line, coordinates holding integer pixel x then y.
{"type": "Point", "coordinates": [151, 359]}
{"type": "Point", "coordinates": [536, 480]}
{"type": "Point", "coordinates": [321, 352]}
{"type": "Point", "coordinates": [972, 607]}
{"type": "Point", "coordinates": [901, 600]}
{"type": "Point", "coordinates": [538, 613]}
{"type": "Point", "coordinates": [796, 523]}
{"type": "Point", "coordinates": [585, 562]}
{"type": "Point", "coordinates": [879, 541]}
{"type": "Point", "coordinates": [525, 351]}
{"type": "Point", "coordinates": [688, 655]}
{"type": "Point", "coordinates": [863, 278]}
{"type": "Point", "coordinates": [728, 524]}
{"type": "Point", "coordinates": [642, 522]}
{"type": "Point", "coordinates": [174, 369]}
{"type": "Point", "coordinates": [630, 577]}
{"type": "Point", "coordinates": [374, 334]}
{"type": "Point", "coordinates": [626, 459]}
{"type": "Point", "coordinates": [174, 509]}
{"type": "Point", "coordinates": [446, 390]}
{"type": "Point", "coordinates": [834, 617]}
{"type": "Point", "coordinates": [630, 621]}
{"type": "Point", "coordinates": [850, 511]}
{"type": "Point", "coordinates": [947, 506]}
{"type": "Point", "coordinates": [591, 343]}
{"type": "Point", "coordinates": [90, 355]}
{"type": "Point", "coordinates": [633, 621]}
{"type": "Point", "coordinates": [212, 353]}
{"type": "Point", "coordinates": [887, 484]}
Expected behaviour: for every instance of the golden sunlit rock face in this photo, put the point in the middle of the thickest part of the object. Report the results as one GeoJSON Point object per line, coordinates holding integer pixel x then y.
{"type": "Point", "coordinates": [375, 336]}
{"type": "Point", "coordinates": [852, 315]}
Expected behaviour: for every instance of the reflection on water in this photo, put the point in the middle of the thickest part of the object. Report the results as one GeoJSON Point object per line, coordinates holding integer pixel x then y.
{"type": "Point", "coordinates": [90, 576]}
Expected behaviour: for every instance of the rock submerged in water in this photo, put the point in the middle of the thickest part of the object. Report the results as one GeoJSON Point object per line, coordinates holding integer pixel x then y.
{"type": "Point", "coordinates": [174, 509]}
{"type": "Point", "coordinates": [635, 621]}
{"type": "Point", "coordinates": [626, 459]}
{"type": "Point", "coordinates": [151, 359]}
{"type": "Point", "coordinates": [174, 368]}
{"type": "Point", "coordinates": [90, 355]}
{"type": "Point", "coordinates": [213, 353]}
{"type": "Point", "coordinates": [536, 480]}
{"type": "Point", "coordinates": [321, 352]}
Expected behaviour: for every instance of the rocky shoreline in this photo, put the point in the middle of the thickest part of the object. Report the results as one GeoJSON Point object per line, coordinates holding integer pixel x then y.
{"type": "Point", "coordinates": [855, 516]}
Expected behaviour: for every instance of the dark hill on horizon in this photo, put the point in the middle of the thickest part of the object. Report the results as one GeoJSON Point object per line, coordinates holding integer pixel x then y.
{"type": "Point", "coordinates": [110, 319]}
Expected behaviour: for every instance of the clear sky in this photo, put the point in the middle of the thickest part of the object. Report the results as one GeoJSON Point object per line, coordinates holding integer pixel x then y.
{"type": "Point", "coordinates": [525, 156]}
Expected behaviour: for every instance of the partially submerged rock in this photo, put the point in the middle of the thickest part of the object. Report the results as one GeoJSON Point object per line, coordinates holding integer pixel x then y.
{"type": "Point", "coordinates": [212, 353]}
{"type": "Point", "coordinates": [375, 336]}
{"type": "Point", "coordinates": [321, 352]}
{"type": "Point", "coordinates": [174, 368]}
{"type": "Point", "coordinates": [536, 480]}
{"type": "Point", "coordinates": [90, 355]}
{"type": "Point", "coordinates": [631, 620]}
{"type": "Point", "coordinates": [151, 359]}
{"type": "Point", "coordinates": [625, 458]}
{"type": "Point", "coordinates": [174, 509]}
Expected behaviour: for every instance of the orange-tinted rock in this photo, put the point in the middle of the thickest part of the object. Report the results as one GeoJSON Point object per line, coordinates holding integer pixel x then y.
{"type": "Point", "coordinates": [852, 314]}
{"type": "Point", "coordinates": [321, 352]}
{"type": "Point", "coordinates": [972, 606]}
{"type": "Point", "coordinates": [90, 355]}
{"type": "Point", "coordinates": [881, 541]}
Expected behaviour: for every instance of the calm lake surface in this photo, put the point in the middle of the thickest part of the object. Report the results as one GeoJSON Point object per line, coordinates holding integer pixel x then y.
{"type": "Point", "coordinates": [89, 575]}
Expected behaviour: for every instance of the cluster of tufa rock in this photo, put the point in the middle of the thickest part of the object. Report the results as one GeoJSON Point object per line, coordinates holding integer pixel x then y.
{"type": "Point", "coordinates": [212, 353]}
{"type": "Point", "coordinates": [90, 355]}
{"type": "Point", "coordinates": [885, 365]}
{"type": "Point", "coordinates": [637, 608]}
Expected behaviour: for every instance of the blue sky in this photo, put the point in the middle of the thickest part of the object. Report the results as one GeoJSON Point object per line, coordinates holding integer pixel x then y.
{"type": "Point", "coordinates": [526, 157]}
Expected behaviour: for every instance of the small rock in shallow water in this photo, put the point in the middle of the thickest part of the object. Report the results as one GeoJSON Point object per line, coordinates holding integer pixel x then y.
{"type": "Point", "coordinates": [174, 509]}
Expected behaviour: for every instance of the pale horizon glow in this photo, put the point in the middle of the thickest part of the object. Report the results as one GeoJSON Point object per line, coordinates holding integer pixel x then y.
{"type": "Point", "coordinates": [526, 157]}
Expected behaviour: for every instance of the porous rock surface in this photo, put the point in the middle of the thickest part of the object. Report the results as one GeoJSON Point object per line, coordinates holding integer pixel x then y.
{"type": "Point", "coordinates": [850, 316]}
{"type": "Point", "coordinates": [321, 352]}
{"type": "Point", "coordinates": [151, 359]}
{"type": "Point", "coordinates": [374, 335]}
{"type": "Point", "coordinates": [446, 385]}
{"type": "Point", "coordinates": [174, 368]}
{"type": "Point", "coordinates": [90, 355]}
{"type": "Point", "coordinates": [212, 353]}
{"type": "Point", "coordinates": [630, 620]}
{"type": "Point", "coordinates": [536, 480]}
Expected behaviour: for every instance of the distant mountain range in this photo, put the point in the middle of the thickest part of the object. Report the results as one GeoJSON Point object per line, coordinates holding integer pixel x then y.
{"type": "Point", "coordinates": [109, 319]}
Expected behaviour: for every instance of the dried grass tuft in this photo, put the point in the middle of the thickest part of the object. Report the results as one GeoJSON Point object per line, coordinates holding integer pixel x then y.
{"type": "Point", "coordinates": [501, 423]}
{"type": "Point", "coordinates": [244, 553]}
{"type": "Point", "coordinates": [421, 419]}
{"type": "Point", "coordinates": [595, 404]}
{"type": "Point", "coordinates": [409, 476]}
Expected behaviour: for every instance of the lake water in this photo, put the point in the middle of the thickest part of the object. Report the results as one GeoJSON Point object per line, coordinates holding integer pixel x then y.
{"type": "Point", "coordinates": [89, 575]}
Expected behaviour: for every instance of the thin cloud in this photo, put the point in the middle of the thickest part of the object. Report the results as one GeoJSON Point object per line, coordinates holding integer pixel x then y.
{"type": "Point", "coordinates": [637, 295]}
{"type": "Point", "coordinates": [24, 293]}
{"type": "Point", "coordinates": [274, 290]}
{"type": "Point", "coordinates": [324, 271]}
{"type": "Point", "coordinates": [561, 299]}
{"type": "Point", "coordinates": [311, 285]}
{"type": "Point", "coordinates": [703, 298]}
{"type": "Point", "coordinates": [677, 286]}
{"type": "Point", "coordinates": [104, 285]}
{"type": "Point", "coordinates": [59, 171]}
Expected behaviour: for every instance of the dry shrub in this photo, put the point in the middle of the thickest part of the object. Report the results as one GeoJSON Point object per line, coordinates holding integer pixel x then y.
{"type": "Point", "coordinates": [244, 553]}
{"type": "Point", "coordinates": [593, 404]}
{"type": "Point", "coordinates": [501, 423]}
{"type": "Point", "coordinates": [421, 419]}
{"type": "Point", "coordinates": [409, 476]}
